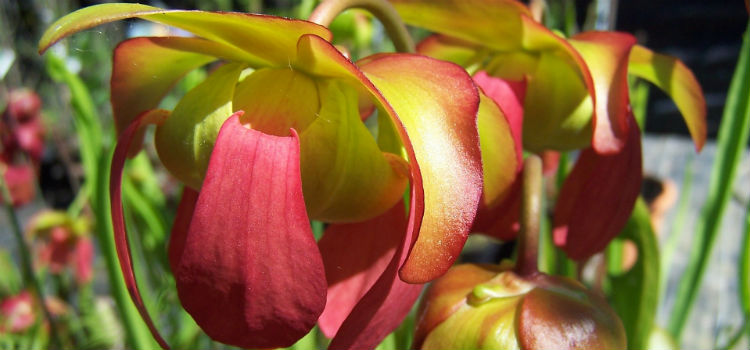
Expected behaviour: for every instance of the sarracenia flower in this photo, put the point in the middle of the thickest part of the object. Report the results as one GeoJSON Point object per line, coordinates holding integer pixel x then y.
{"type": "Point", "coordinates": [62, 242]}
{"type": "Point", "coordinates": [493, 307]}
{"type": "Point", "coordinates": [273, 138]}
{"type": "Point", "coordinates": [574, 95]}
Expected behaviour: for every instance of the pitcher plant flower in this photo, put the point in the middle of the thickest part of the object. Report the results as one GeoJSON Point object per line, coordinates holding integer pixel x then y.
{"type": "Point", "coordinates": [574, 96]}
{"type": "Point", "coordinates": [17, 313]}
{"type": "Point", "coordinates": [274, 138]}
{"type": "Point", "coordinates": [21, 144]}
{"type": "Point", "coordinates": [62, 243]}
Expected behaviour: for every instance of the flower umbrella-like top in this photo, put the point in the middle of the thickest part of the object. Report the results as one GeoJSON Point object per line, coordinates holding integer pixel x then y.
{"type": "Point", "coordinates": [273, 138]}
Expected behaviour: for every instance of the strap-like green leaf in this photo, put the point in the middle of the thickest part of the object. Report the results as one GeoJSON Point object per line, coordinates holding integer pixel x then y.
{"type": "Point", "coordinates": [633, 296]}
{"type": "Point", "coordinates": [733, 138]}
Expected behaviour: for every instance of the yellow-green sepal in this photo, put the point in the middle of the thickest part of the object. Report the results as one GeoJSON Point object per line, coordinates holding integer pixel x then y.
{"type": "Point", "coordinates": [345, 176]}
{"type": "Point", "coordinates": [185, 140]}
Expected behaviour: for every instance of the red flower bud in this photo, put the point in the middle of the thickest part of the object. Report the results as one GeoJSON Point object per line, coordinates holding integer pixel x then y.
{"type": "Point", "coordinates": [491, 307]}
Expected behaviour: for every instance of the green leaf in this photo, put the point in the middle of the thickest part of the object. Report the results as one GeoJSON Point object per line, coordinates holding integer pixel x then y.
{"type": "Point", "coordinates": [732, 140]}
{"type": "Point", "coordinates": [634, 297]}
{"type": "Point", "coordinates": [10, 279]}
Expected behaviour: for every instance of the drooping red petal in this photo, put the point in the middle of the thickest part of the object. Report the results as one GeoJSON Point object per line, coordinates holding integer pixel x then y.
{"type": "Point", "coordinates": [20, 181]}
{"type": "Point", "coordinates": [499, 218]}
{"type": "Point", "coordinates": [30, 138]}
{"type": "Point", "coordinates": [509, 96]}
{"type": "Point", "coordinates": [250, 272]}
{"type": "Point", "coordinates": [448, 49]}
{"type": "Point", "coordinates": [606, 54]}
{"type": "Point", "coordinates": [598, 196]}
{"type": "Point", "coordinates": [118, 221]}
{"type": "Point", "coordinates": [355, 256]}
{"type": "Point", "coordinates": [386, 304]}
{"type": "Point", "coordinates": [181, 225]}
{"type": "Point", "coordinates": [83, 260]}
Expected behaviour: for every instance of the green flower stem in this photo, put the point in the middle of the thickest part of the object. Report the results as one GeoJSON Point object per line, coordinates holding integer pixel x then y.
{"type": "Point", "coordinates": [95, 155]}
{"type": "Point", "coordinates": [384, 11]}
{"type": "Point", "coordinates": [531, 209]}
{"type": "Point", "coordinates": [23, 249]}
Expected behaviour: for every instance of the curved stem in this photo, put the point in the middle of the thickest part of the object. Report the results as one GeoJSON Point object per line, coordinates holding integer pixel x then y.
{"type": "Point", "coordinates": [531, 207]}
{"type": "Point", "coordinates": [383, 10]}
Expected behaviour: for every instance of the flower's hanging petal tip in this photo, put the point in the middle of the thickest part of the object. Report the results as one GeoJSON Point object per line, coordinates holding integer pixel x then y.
{"type": "Point", "coordinates": [355, 256]}
{"type": "Point", "coordinates": [606, 56]}
{"type": "Point", "coordinates": [673, 77]}
{"type": "Point", "coordinates": [250, 213]}
{"type": "Point", "coordinates": [89, 17]}
{"type": "Point", "coordinates": [597, 198]}
{"type": "Point", "coordinates": [387, 302]}
{"type": "Point", "coordinates": [118, 221]}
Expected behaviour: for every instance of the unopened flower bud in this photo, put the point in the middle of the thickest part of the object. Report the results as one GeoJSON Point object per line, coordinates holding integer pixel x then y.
{"type": "Point", "coordinates": [492, 307]}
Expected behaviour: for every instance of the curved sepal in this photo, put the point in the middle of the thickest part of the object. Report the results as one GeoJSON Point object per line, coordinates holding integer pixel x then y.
{"type": "Point", "coordinates": [437, 105]}
{"type": "Point", "coordinates": [118, 220]}
{"type": "Point", "coordinates": [346, 177]}
{"type": "Point", "coordinates": [266, 40]}
{"type": "Point", "coordinates": [250, 272]}
{"type": "Point", "coordinates": [433, 111]}
{"type": "Point", "coordinates": [20, 181]}
{"type": "Point", "coordinates": [143, 71]}
{"type": "Point", "coordinates": [448, 49]}
{"type": "Point", "coordinates": [676, 79]}
{"type": "Point", "coordinates": [500, 131]}
{"type": "Point", "coordinates": [185, 141]}
{"type": "Point", "coordinates": [355, 256]}
{"type": "Point", "coordinates": [598, 196]}
{"type": "Point", "coordinates": [606, 56]}
{"type": "Point", "coordinates": [496, 24]}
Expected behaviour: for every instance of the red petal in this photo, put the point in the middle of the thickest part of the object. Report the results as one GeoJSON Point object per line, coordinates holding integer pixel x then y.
{"type": "Point", "coordinates": [509, 96]}
{"type": "Point", "coordinates": [250, 272]}
{"type": "Point", "coordinates": [181, 226]}
{"type": "Point", "coordinates": [20, 181]}
{"type": "Point", "coordinates": [118, 221]}
{"type": "Point", "coordinates": [385, 305]}
{"type": "Point", "coordinates": [84, 258]}
{"type": "Point", "coordinates": [501, 220]}
{"type": "Point", "coordinates": [598, 197]}
{"type": "Point", "coordinates": [607, 54]}
{"type": "Point", "coordinates": [355, 256]}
